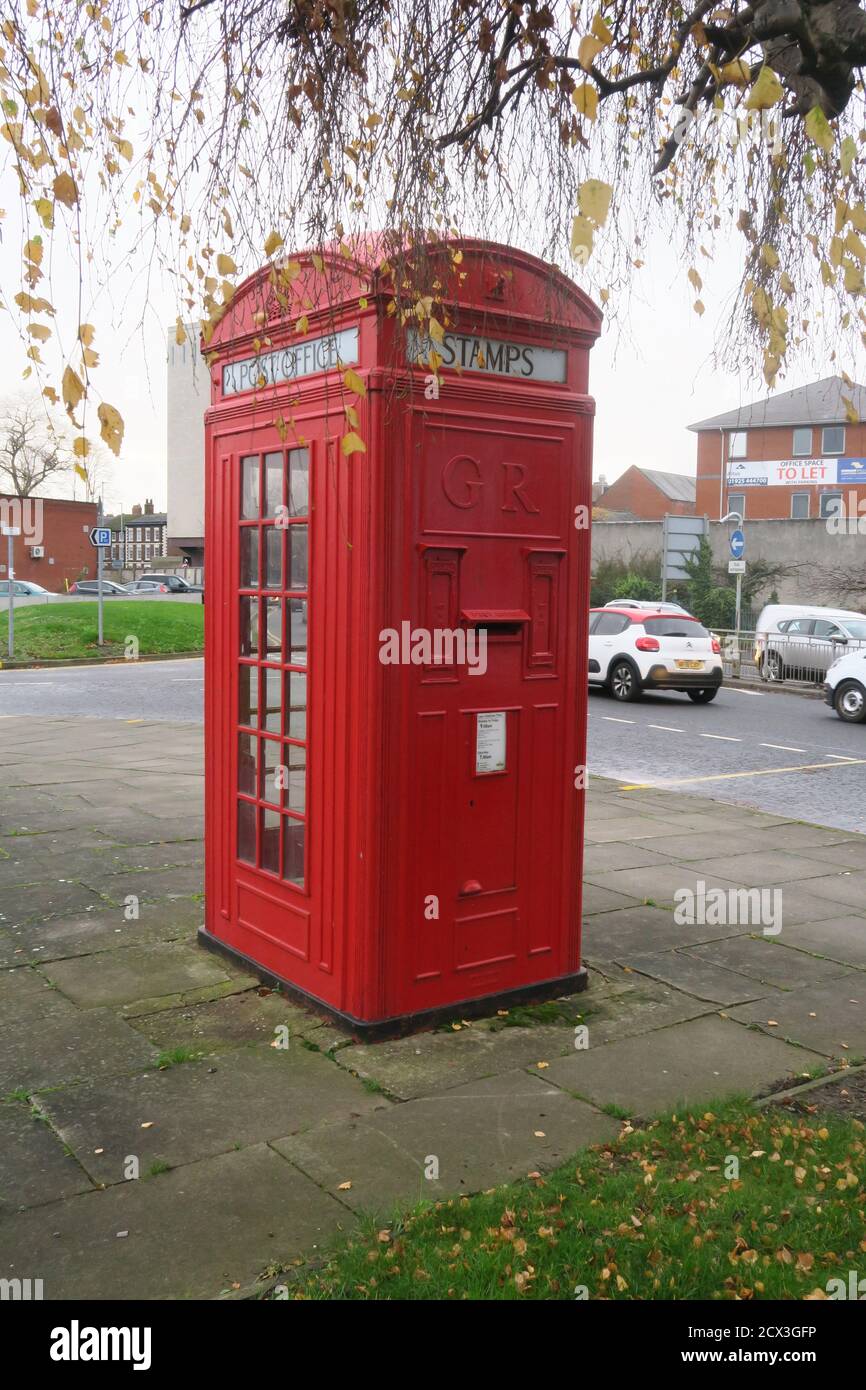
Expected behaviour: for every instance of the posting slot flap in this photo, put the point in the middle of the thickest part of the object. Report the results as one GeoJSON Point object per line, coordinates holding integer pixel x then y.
{"type": "Point", "coordinates": [485, 617]}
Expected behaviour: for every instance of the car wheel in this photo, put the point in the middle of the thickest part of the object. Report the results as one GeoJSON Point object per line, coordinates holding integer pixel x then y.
{"type": "Point", "coordinates": [703, 697]}
{"type": "Point", "coordinates": [850, 702]}
{"type": "Point", "coordinates": [623, 681]}
{"type": "Point", "coordinates": [774, 667]}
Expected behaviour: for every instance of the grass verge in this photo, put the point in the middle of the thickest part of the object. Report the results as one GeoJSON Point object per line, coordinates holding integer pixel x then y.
{"type": "Point", "coordinates": [655, 1215]}
{"type": "Point", "coordinates": [54, 631]}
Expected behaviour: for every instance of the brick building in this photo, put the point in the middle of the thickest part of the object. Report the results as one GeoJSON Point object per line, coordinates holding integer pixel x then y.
{"type": "Point", "coordinates": [792, 456]}
{"type": "Point", "coordinates": [54, 546]}
{"type": "Point", "coordinates": [647, 494]}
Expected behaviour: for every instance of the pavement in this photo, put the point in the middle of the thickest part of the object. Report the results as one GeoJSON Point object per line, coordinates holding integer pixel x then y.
{"type": "Point", "coordinates": [170, 1129]}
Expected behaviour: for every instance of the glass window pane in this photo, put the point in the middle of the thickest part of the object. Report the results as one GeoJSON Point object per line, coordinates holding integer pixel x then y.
{"type": "Point", "coordinates": [833, 439]}
{"type": "Point", "coordinates": [246, 832]}
{"type": "Point", "coordinates": [249, 557]}
{"type": "Point", "coordinates": [273, 483]}
{"type": "Point", "coordinates": [271, 841]}
{"type": "Point", "coordinates": [737, 444]}
{"type": "Point", "coordinates": [272, 706]}
{"type": "Point", "coordinates": [299, 482]}
{"type": "Point", "coordinates": [296, 705]}
{"type": "Point", "coordinates": [271, 761]}
{"type": "Point", "coordinates": [247, 764]}
{"type": "Point", "coordinates": [274, 558]}
{"type": "Point", "coordinates": [249, 637]}
{"type": "Point", "coordinates": [274, 625]}
{"type": "Point", "coordinates": [248, 694]}
{"type": "Point", "coordinates": [293, 850]}
{"type": "Point", "coordinates": [297, 539]}
{"type": "Point", "coordinates": [296, 761]}
{"type": "Point", "coordinates": [298, 631]}
{"type": "Point", "coordinates": [250, 487]}
{"type": "Point", "coordinates": [803, 441]}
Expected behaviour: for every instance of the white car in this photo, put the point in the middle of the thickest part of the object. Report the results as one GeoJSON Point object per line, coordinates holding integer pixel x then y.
{"type": "Point", "coordinates": [647, 605]}
{"type": "Point", "coordinates": [632, 650]}
{"type": "Point", "coordinates": [845, 687]}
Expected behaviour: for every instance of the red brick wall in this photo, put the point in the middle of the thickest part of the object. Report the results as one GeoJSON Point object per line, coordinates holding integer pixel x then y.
{"type": "Point", "coordinates": [764, 445]}
{"type": "Point", "coordinates": [634, 492]}
{"type": "Point", "coordinates": [64, 534]}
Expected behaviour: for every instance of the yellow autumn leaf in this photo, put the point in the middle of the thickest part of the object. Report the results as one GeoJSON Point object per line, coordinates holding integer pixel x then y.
{"type": "Point", "coordinates": [766, 91]}
{"type": "Point", "coordinates": [65, 190]}
{"type": "Point", "coordinates": [31, 305]}
{"type": "Point", "coordinates": [86, 333]}
{"type": "Point", "coordinates": [353, 382]}
{"type": "Point", "coordinates": [33, 251]}
{"type": "Point", "coordinates": [819, 129]}
{"type": "Point", "coordinates": [317, 261]}
{"type": "Point", "coordinates": [89, 357]}
{"type": "Point", "coordinates": [737, 72]}
{"type": "Point", "coordinates": [273, 243]}
{"type": "Point", "coordinates": [593, 199]}
{"type": "Point", "coordinates": [436, 331]}
{"type": "Point", "coordinates": [179, 331]}
{"type": "Point", "coordinates": [698, 307]}
{"type": "Point", "coordinates": [302, 324]}
{"type": "Point", "coordinates": [588, 50]}
{"type": "Point", "coordinates": [601, 31]}
{"type": "Point", "coordinates": [352, 443]}
{"type": "Point", "coordinates": [695, 280]}
{"type": "Point", "coordinates": [81, 447]}
{"type": "Point", "coordinates": [585, 99]}
{"type": "Point", "coordinates": [769, 255]}
{"type": "Point", "coordinates": [45, 212]}
{"type": "Point", "coordinates": [72, 388]}
{"type": "Point", "coordinates": [185, 223]}
{"type": "Point", "coordinates": [111, 426]}
{"type": "Point", "coordinates": [225, 264]}
{"type": "Point", "coordinates": [80, 470]}
{"type": "Point", "coordinates": [40, 331]}
{"type": "Point", "coordinates": [847, 155]}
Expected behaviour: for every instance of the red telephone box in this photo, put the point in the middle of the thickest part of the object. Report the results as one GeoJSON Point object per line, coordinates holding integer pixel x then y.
{"type": "Point", "coordinates": [396, 638]}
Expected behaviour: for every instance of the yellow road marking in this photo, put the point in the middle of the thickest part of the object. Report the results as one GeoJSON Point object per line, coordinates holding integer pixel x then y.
{"type": "Point", "coordinates": [727, 776]}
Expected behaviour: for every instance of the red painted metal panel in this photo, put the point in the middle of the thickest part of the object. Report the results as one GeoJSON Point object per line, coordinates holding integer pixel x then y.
{"type": "Point", "coordinates": [397, 834]}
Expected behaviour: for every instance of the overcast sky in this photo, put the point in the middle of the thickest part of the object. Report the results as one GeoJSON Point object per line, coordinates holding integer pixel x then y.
{"type": "Point", "coordinates": [650, 379]}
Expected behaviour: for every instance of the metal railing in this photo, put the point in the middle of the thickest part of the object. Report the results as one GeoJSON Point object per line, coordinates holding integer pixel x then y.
{"type": "Point", "coordinates": [779, 658]}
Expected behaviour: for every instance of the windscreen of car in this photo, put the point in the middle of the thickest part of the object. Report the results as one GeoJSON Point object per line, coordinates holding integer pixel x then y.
{"type": "Point", "coordinates": [674, 627]}
{"type": "Point", "coordinates": [857, 630]}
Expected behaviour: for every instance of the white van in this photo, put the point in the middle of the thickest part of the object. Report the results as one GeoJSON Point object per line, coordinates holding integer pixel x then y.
{"type": "Point", "coordinates": [802, 640]}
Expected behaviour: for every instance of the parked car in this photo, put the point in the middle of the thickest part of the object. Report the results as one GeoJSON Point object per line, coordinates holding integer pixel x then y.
{"type": "Point", "coordinates": [147, 586]}
{"type": "Point", "coordinates": [632, 650]}
{"type": "Point", "coordinates": [845, 687]}
{"type": "Point", "coordinates": [647, 605]}
{"type": "Point", "coordinates": [22, 588]}
{"type": "Point", "coordinates": [91, 586]}
{"type": "Point", "coordinates": [801, 641]}
{"type": "Point", "coordinates": [174, 583]}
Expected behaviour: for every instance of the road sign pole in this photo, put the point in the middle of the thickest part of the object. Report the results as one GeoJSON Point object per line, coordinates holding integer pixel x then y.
{"type": "Point", "coordinates": [10, 571]}
{"type": "Point", "coordinates": [737, 622]}
{"type": "Point", "coordinates": [99, 554]}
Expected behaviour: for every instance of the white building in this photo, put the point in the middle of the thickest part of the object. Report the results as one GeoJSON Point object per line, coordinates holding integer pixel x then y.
{"type": "Point", "coordinates": [188, 391]}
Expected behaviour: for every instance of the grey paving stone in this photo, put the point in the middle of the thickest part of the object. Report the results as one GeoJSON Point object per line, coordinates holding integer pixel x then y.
{"type": "Point", "coordinates": [32, 902]}
{"type": "Point", "coordinates": [60, 1046]}
{"type": "Point", "coordinates": [596, 899]}
{"type": "Point", "coordinates": [195, 1109]}
{"type": "Point", "coordinates": [661, 884]}
{"type": "Point", "coordinates": [766, 960]}
{"type": "Point", "coordinates": [139, 972]}
{"type": "Point", "coordinates": [644, 929]}
{"type": "Point", "coordinates": [840, 939]}
{"type": "Point", "coordinates": [33, 1165]}
{"type": "Point", "coordinates": [233, 1021]}
{"type": "Point", "coordinates": [847, 854]}
{"type": "Point", "coordinates": [845, 887]}
{"type": "Point", "coordinates": [703, 1060]}
{"type": "Point", "coordinates": [828, 1018]}
{"type": "Point", "coordinates": [764, 867]}
{"type": "Point", "coordinates": [197, 1232]}
{"type": "Point", "coordinates": [477, 1135]}
{"type": "Point", "coordinates": [87, 934]}
{"type": "Point", "coordinates": [25, 996]}
{"type": "Point", "coordinates": [697, 976]}
{"type": "Point", "coordinates": [616, 855]}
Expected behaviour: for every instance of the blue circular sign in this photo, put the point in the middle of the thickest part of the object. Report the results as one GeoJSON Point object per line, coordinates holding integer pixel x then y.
{"type": "Point", "coordinates": [738, 544]}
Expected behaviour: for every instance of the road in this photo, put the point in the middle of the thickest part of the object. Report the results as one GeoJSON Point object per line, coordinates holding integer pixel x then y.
{"type": "Point", "coordinates": [737, 749]}
{"type": "Point", "coordinates": [163, 690]}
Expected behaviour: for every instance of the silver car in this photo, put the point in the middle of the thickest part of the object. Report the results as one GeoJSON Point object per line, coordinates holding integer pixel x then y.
{"type": "Point", "coordinates": [805, 647]}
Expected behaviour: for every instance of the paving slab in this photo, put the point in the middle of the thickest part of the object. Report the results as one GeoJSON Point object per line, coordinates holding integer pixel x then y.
{"type": "Point", "coordinates": [763, 868]}
{"type": "Point", "coordinates": [194, 1109]}
{"type": "Point", "coordinates": [644, 929]}
{"type": "Point", "coordinates": [765, 960]}
{"type": "Point", "coordinates": [140, 972]}
{"type": "Point", "coordinates": [477, 1136]}
{"type": "Point", "coordinates": [641, 1006]}
{"type": "Point", "coordinates": [839, 939]}
{"type": "Point", "coordinates": [847, 854]}
{"type": "Point", "coordinates": [691, 1063]}
{"type": "Point", "coordinates": [178, 881]}
{"type": "Point", "coordinates": [197, 1232]}
{"type": "Point", "coordinates": [616, 855]}
{"type": "Point", "coordinates": [596, 899]}
{"type": "Point", "coordinates": [89, 933]}
{"type": "Point", "coordinates": [659, 885]}
{"type": "Point", "coordinates": [31, 902]}
{"type": "Point", "coordinates": [698, 976]}
{"type": "Point", "coordinates": [59, 1047]}
{"type": "Point", "coordinates": [829, 1018]}
{"type": "Point", "coordinates": [846, 887]}
{"type": "Point", "coordinates": [25, 996]}
{"type": "Point", "coordinates": [34, 1168]}
{"type": "Point", "coordinates": [233, 1021]}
